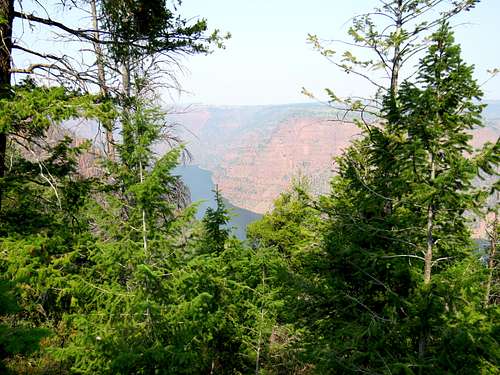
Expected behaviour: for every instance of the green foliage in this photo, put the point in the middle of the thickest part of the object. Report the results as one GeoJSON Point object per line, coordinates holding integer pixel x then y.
{"type": "Point", "coordinates": [41, 232]}
{"type": "Point", "coordinates": [138, 28]}
{"type": "Point", "coordinates": [158, 292]}
{"type": "Point", "coordinates": [19, 339]}
{"type": "Point", "coordinates": [400, 191]}
{"type": "Point", "coordinates": [121, 291]}
{"type": "Point", "coordinates": [289, 237]}
{"type": "Point", "coordinates": [32, 109]}
{"type": "Point", "coordinates": [215, 223]}
{"type": "Point", "coordinates": [291, 225]}
{"type": "Point", "coordinates": [110, 265]}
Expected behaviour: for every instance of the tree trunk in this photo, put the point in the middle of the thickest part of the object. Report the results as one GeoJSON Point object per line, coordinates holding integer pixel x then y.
{"type": "Point", "coordinates": [422, 342]}
{"type": "Point", "coordinates": [144, 224]}
{"type": "Point", "coordinates": [101, 78]}
{"type": "Point", "coordinates": [126, 94]}
{"type": "Point", "coordinates": [6, 20]}
{"type": "Point", "coordinates": [396, 58]}
{"type": "Point", "coordinates": [430, 244]}
{"type": "Point", "coordinates": [261, 323]}
{"type": "Point", "coordinates": [430, 227]}
{"type": "Point", "coordinates": [126, 79]}
{"type": "Point", "coordinates": [491, 256]}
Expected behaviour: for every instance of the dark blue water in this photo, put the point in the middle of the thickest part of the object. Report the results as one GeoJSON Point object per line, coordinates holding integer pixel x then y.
{"type": "Point", "coordinates": [199, 181]}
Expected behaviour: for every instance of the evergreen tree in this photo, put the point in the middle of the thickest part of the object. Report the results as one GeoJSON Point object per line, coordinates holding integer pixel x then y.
{"type": "Point", "coordinates": [40, 227]}
{"type": "Point", "coordinates": [432, 120]}
{"type": "Point", "coordinates": [430, 126]}
{"type": "Point", "coordinates": [215, 224]}
{"type": "Point", "coordinates": [119, 322]}
{"type": "Point", "coordinates": [289, 238]}
{"type": "Point", "coordinates": [401, 192]}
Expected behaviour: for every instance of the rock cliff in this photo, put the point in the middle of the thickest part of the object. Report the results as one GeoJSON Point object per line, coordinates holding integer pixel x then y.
{"type": "Point", "coordinates": [254, 152]}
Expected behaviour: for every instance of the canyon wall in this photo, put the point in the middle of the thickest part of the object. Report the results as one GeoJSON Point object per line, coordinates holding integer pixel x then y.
{"type": "Point", "coordinates": [254, 152]}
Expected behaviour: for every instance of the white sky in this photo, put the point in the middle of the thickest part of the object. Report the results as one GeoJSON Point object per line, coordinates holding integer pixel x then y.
{"type": "Point", "coordinates": [267, 60]}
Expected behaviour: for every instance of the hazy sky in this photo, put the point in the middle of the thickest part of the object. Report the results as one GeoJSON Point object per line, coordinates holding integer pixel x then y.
{"type": "Point", "coordinates": [267, 60]}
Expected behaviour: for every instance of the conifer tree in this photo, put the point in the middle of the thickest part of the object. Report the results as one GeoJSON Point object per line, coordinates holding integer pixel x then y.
{"type": "Point", "coordinates": [289, 239]}
{"type": "Point", "coordinates": [430, 128]}
{"type": "Point", "coordinates": [215, 222]}
{"type": "Point", "coordinates": [138, 215]}
{"type": "Point", "coordinates": [373, 250]}
{"type": "Point", "coordinates": [120, 319]}
{"type": "Point", "coordinates": [386, 312]}
{"type": "Point", "coordinates": [430, 124]}
{"type": "Point", "coordinates": [40, 227]}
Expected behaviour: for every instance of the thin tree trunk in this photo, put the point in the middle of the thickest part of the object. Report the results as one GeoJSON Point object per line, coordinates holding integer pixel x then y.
{"type": "Point", "coordinates": [430, 245]}
{"type": "Point", "coordinates": [126, 79]}
{"type": "Point", "coordinates": [259, 342]}
{"type": "Point", "coordinates": [422, 342]}
{"type": "Point", "coordinates": [430, 227]}
{"type": "Point", "coordinates": [101, 77]}
{"type": "Point", "coordinates": [144, 225]}
{"type": "Point", "coordinates": [396, 58]}
{"type": "Point", "coordinates": [257, 357]}
{"type": "Point", "coordinates": [393, 89]}
{"type": "Point", "coordinates": [98, 50]}
{"type": "Point", "coordinates": [126, 94]}
{"type": "Point", "coordinates": [7, 17]}
{"type": "Point", "coordinates": [491, 256]}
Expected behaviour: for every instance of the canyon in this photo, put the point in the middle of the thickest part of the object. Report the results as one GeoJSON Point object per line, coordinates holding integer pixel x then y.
{"type": "Point", "coordinates": [255, 152]}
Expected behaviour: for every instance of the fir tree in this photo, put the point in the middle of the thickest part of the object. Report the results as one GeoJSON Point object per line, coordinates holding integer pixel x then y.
{"type": "Point", "coordinates": [215, 224]}
{"type": "Point", "coordinates": [288, 238]}
{"type": "Point", "coordinates": [401, 192]}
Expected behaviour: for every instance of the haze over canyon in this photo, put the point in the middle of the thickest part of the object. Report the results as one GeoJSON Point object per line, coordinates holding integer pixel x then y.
{"type": "Point", "coordinates": [254, 152]}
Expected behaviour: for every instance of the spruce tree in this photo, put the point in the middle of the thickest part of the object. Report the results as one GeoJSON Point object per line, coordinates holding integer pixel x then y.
{"type": "Point", "coordinates": [399, 259]}
{"type": "Point", "coordinates": [288, 238]}
{"type": "Point", "coordinates": [430, 125]}
{"type": "Point", "coordinates": [215, 223]}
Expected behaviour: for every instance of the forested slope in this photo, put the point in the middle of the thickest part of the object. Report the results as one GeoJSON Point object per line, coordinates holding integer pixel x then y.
{"type": "Point", "coordinates": [109, 271]}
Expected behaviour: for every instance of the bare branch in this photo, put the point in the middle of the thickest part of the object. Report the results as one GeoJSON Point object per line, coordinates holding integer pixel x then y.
{"type": "Point", "coordinates": [80, 33]}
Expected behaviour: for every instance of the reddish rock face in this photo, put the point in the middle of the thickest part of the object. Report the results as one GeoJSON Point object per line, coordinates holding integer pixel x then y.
{"type": "Point", "coordinates": [255, 152]}
{"type": "Point", "coordinates": [253, 177]}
